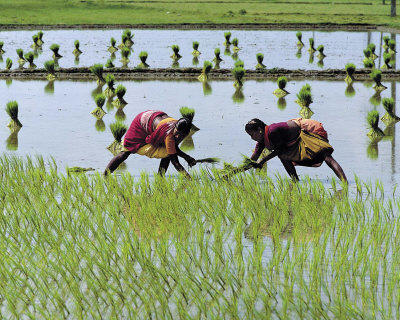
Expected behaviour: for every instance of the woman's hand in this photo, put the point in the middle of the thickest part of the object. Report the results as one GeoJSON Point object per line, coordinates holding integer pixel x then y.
{"type": "Point", "coordinates": [257, 165]}
{"type": "Point", "coordinates": [191, 161]}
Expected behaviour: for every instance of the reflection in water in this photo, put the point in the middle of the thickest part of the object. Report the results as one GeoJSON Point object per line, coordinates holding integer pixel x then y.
{"type": "Point", "coordinates": [195, 61]}
{"type": "Point", "coordinates": [76, 61]}
{"type": "Point", "coordinates": [12, 141]}
{"type": "Point", "coordinates": [175, 64]}
{"type": "Point", "coordinates": [372, 149]}
{"type": "Point", "coordinates": [368, 83]}
{"type": "Point", "coordinates": [238, 96]}
{"type": "Point", "coordinates": [298, 53]}
{"type": "Point", "coordinates": [56, 64]}
{"type": "Point", "coordinates": [216, 65]}
{"type": "Point", "coordinates": [112, 56]}
{"type": "Point", "coordinates": [120, 114]}
{"type": "Point", "coordinates": [109, 105]}
{"type": "Point", "coordinates": [320, 63]}
{"type": "Point", "coordinates": [207, 90]}
{"type": "Point", "coordinates": [376, 99]}
{"type": "Point", "coordinates": [1, 58]}
{"type": "Point", "coordinates": [227, 51]}
{"type": "Point", "coordinates": [49, 88]}
{"type": "Point", "coordinates": [235, 56]}
{"type": "Point", "coordinates": [282, 103]}
{"type": "Point", "coordinates": [389, 132]}
{"type": "Point", "coordinates": [349, 92]}
{"type": "Point", "coordinates": [100, 125]}
{"type": "Point", "coordinates": [8, 82]}
{"type": "Point", "coordinates": [98, 90]}
{"type": "Point", "coordinates": [311, 58]}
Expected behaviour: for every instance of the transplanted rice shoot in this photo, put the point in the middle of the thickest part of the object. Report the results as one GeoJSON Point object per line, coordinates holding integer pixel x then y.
{"type": "Point", "coordinates": [300, 43]}
{"type": "Point", "coordinates": [1, 47]}
{"type": "Point", "coordinates": [373, 120]}
{"type": "Point", "coordinates": [76, 51]}
{"type": "Point", "coordinates": [281, 92]}
{"type": "Point", "coordinates": [50, 68]}
{"type": "Point", "coordinates": [35, 39]}
{"type": "Point", "coordinates": [372, 47]}
{"type": "Point", "coordinates": [98, 112]}
{"type": "Point", "coordinates": [389, 117]}
{"type": "Point", "coordinates": [195, 45]}
{"type": "Point", "coordinates": [350, 69]}
{"type": "Point", "coordinates": [321, 54]}
{"type": "Point", "coordinates": [55, 48]}
{"type": "Point", "coordinates": [40, 35]}
{"type": "Point", "coordinates": [8, 63]}
{"type": "Point", "coordinates": [260, 59]}
{"type": "Point", "coordinates": [112, 48]}
{"type": "Point", "coordinates": [304, 99]}
{"type": "Point", "coordinates": [110, 81]}
{"type": "Point", "coordinates": [392, 46]}
{"type": "Point", "coordinates": [29, 57]}
{"type": "Point", "coordinates": [386, 59]}
{"type": "Point", "coordinates": [217, 53]}
{"type": "Point", "coordinates": [143, 57]}
{"type": "Point", "coordinates": [368, 61]}
{"type": "Point", "coordinates": [20, 53]}
{"type": "Point", "coordinates": [235, 43]}
{"type": "Point", "coordinates": [386, 42]}
{"type": "Point", "coordinates": [207, 66]}
{"type": "Point", "coordinates": [118, 129]}
{"type": "Point", "coordinates": [97, 70]}
{"type": "Point", "coordinates": [12, 111]}
{"type": "Point", "coordinates": [376, 75]}
{"type": "Point", "coordinates": [227, 36]}
{"type": "Point", "coordinates": [119, 102]}
{"type": "Point", "coordinates": [109, 64]}
{"type": "Point", "coordinates": [238, 73]}
{"type": "Point", "coordinates": [125, 53]}
{"type": "Point", "coordinates": [127, 38]}
{"type": "Point", "coordinates": [311, 49]}
{"type": "Point", "coordinates": [175, 55]}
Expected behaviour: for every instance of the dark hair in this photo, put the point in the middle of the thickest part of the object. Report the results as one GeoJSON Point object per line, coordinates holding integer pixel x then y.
{"type": "Point", "coordinates": [184, 125]}
{"type": "Point", "coordinates": [254, 124]}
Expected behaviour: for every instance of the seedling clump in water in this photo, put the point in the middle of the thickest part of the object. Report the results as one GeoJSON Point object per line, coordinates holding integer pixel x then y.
{"type": "Point", "coordinates": [260, 58]}
{"type": "Point", "coordinates": [76, 51]}
{"type": "Point", "coordinates": [98, 112]}
{"type": "Point", "coordinates": [21, 59]}
{"type": "Point", "coordinates": [281, 92]}
{"type": "Point", "coordinates": [12, 111]}
{"type": "Point", "coordinates": [372, 47]}
{"type": "Point", "coordinates": [207, 66]}
{"type": "Point", "coordinates": [300, 43]}
{"type": "Point", "coordinates": [125, 53]}
{"type": "Point", "coordinates": [321, 54]}
{"type": "Point", "coordinates": [376, 75]}
{"type": "Point", "coordinates": [386, 59]}
{"type": "Point", "coordinates": [304, 99]}
{"type": "Point", "coordinates": [368, 61]}
{"type": "Point", "coordinates": [196, 52]}
{"type": "Point", "coordinates": [389, 117]}
{"type": "Point", "coordinates": [97, 70]}
{"type": "Point", "coordinates": [235, 43]}
{"type": "Point", "coordinates": [50, 68]}
{"type": "Point", "coordinates": [175, 56]}
{"type": "Point", "coordinates": [350, 69]}
{"type": "Point", "coordinates": [227, 36]}
{"type": "Point", "coordinates": [55, 48]}
{"type": "Point", "coordinates": [238, 73]}
{"type": "Point", "coordinates": [118, 129]}
{"type": "Point", "coordinates": [217, 59]}
{"type": "Point", "coordinates": [311, 49]}
{"type": "Point", "coordinates": [8, 63]}
{"type": "Point", "coordinates": [109, 64]}
{"type": "Point", "coordinates": [112, 48]}
{"type": "Point", "coordinates": [109, 91]}
{"type": "Point", "coordinates": [143, 57]}
{"type": "Point", "coordinates": [1, 47]}
{"type": "Point", "coordinates": [119, 102]}
{"type": "Point", "coordinates": [29, 57]}
{"type": "Point", "coordinates": [373, 120]}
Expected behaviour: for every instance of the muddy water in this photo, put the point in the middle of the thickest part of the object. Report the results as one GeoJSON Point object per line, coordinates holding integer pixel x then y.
{"type": "Point", "coordinates": [57, 122]}
{"type": "Point", "coordinates": [278, 47]}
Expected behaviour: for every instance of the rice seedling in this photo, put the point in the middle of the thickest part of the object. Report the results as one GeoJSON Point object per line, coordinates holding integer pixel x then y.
{"type": "Point", "coordinates": [143, 57]}
{"type": "Point", "coordinates": [311, 49]}
{"type": "Point", "coordinates": [40, 40]}
{"type": "Point", "coordinates": [119, 102]}
{"type": "Point", "coordinates": [372, 47]}
{"type": "Point", "coordinates": [109, 64]}
{"type": "Point", "coordinates": [300, 43]}
{"type": "Point", "coordinates": [112, 48]}
{"type": "Point", "coordinates": [386, 59]}
{"type": "Point", "coordinates": [227, 36]}
{"type": "Point", "coordinates": [235, 43]}
{"type": "Point", "coordinates": [1, 48]}
{"type": "Point", "coordinates": [373, 121]}
{"type": "Point", "coordinates": [369, 64]}
{"type": "Point", "coordinates": [389, 117]}
{"type": "Point", "coordinates": [21, 59]}
{"type": "Point", "coordinates": [304, 99]}
{"type": "Point", "coordinates": [392, 46]}
{"type": "Point", "coordinates": [98, 112]}
{"type": "Point", "coordinates": [125, 53]}
{"type": "Point", "coordinates": [8, 63]}
{"type": "Point", "coordinates": [350, 69]}
{"type": "Point", "coordinates": [260, 59]}
{"type": "Point", "coordinates": [110, 90]}
{"type": "Point", "coordinates": [195, 46]}
{"type": "Point", "coordinates": [127, 38]}
{"type": "Point", "coordinates": [217, 53]}
{"type": "Point", "coordinates": [386, 42]}
{"type": "Point", "coordinates": [50, 68]}
{"type": "Point", "coordinates": [376, 75]}
{"type": "Point", "coordinates": [30, 57]}
{"type": "Point", "coordinates": [175, 50]}
{"type": "Point", "coordinates": [55, 48]}
{"type": "Point", "coordinates": [35, 39]}
{"type": "Point", "coordinates": [321, 54]}
{"type": "Point", "coordinates": [97, 70]}
{"type": "Point", "coordinates": [281, 92]}
{"type": "Point", "coordinates": [118, 129]}
{"type": "Point", "coordinates": [238, 73]}
{"type": "Point", "coordinates": [12, 111]}
{"type": "Point", "coordinates": [76, 51]}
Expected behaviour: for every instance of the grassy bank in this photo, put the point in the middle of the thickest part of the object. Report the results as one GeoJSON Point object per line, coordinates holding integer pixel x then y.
{"type": "Point", "coordinates": [71, 12]}
{"type": "Point", "coordinates": [88, 247]}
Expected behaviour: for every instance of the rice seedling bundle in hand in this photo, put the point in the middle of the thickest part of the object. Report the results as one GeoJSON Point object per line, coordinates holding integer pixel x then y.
{"type": "Point", "coordinates": [97, 70]}
{"type": "Point", "coordinates": [20, 53]}
{"type": "Point", "coordinates": [29, 57]}
{"type": "Point", "coordinates": [175, 55]}
{"type": "Point", "coordinates": [227, 36]}
{"type": "Point", "coordinates": [98, 112]}
{"type": "Point", "coordinates": [207, 66]}
{"type": "Point", "coordinates": [143, 57]}
{"type": "Point", "coordinates": [12, 111]}
{"type": "Point", "coordinates": [109, 64]}
{"type": "Point", "coordinates": [229, 170]}
{"type": "Point", "coordinates": [372, 47]}
{"type": "Point", "coordinates": [311, 49]}
{"type": "Point", "coordinates": [125, 53]}
{"type": "Point", "coordinates": [389, 117]}
{"type": "Point", "coordinates": [260, 59]}
{"type": "Point", "coordinates": [118, 129]}
{"type": "Point", "coordinates": [119, 102]}
{"type": "Point", "coordinates": [50, 68]}
{"type": "Point", "coordinates": [40, 40]}
{"type": "Point", "coordinates": [235, 43]}
{"type": "Point", "coordinates": [300, 43]}
{"type": "Point", "coordinates": [112, 48]}
{"type": "Point", "coordinates": [195, 45]}
{"type": "Point", "coordinates": [188, 113]}
{"type": "Point", "coordinates": [373, 121]}
{"type": "Point", "coordinates": [55, 48]}
{"type": "Point", "coordinates": [386, 59]}
{"type": "Point", "coordinates": [321, 54]}
{"type": "Point", "coordinates": [217, 53]}
{"type": "Point", "coordinates": [238, 73]}
{"type": "Point", "coordinates": [376, 75]}
{"type": "Point", "coordinates": [8, 63]}
{"type": "Point", "coordinates": [76, 51]}
{"type": "Point", "coordinates": [386, 42]}
{"type": "Point", "coordinates": [110, 90]}
{"type": "Point", "coordinates": [350, 69]}
{"type": "Point", "coordinates": [392, 46]}
{"type": "Point", "coordinates": [281, 92]}
{"type": "Point", "coordinates": [1, 47]}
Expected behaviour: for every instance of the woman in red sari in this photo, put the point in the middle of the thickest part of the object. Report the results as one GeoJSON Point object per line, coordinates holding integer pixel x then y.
{"type": "Point", "coordinates": [155, 135]}
{"type": "Point", "coordinates": [298, 141]}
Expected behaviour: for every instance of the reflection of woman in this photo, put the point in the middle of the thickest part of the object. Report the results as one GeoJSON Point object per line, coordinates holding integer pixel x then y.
{"type": "Point", "coordinates": [156, 135]}
{"type": "Point", "coordinates": [299, 141]}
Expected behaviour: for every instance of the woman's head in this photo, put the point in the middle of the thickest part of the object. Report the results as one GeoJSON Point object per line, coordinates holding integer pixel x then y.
{"type": "Point", "coordinates": [182, 128]}
{"type": "Point", "coordinates": [255, 129]}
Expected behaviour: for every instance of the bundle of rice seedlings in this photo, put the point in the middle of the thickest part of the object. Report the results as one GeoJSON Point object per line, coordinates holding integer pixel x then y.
{"type": "Point", "coordinates": [98, 112]}
{"type": "Point", "coordinates": [207, 66]}
{"type": "Point", "coordinates": [119, 102]}
{"type": "Point", "coordinates": [311, 49]}
{"type": "Point", "coordinates": [386, 59]}
{"type": "Point", "coordinates": [29, 57]}
{"type": "Point", "coordinates": [238, 73]}
{"type": "Point", "coordinates": [321, 54]}
{"type": "Point", "coordinates": [392, 46]}
{"type": "Point", "coordinates": [51, 70]}
{"type": "Point", "coordinates": [389, 117]}
{"type": "Point", "coordinates": [12, 111]}
{"type": "Point", "coordinates": [260, 58]}
{"type": "Point", "coordinates": [143, 57]}
{"type": "Point", "coordinates": [217, 53]}
{"type": "Point", "coordinates": [112, 48]}
{"type": "Point", "coordinates": [368, 61]}
{"type": "Point", "coordinates": [175, 55]}
{"type": "Point", "coordinates": [127, 38]}
{"type": "Point", "coordinates": [372, 47]}
{"type": "Point", "coordinates": [227, 36]}
{"type": "Point", "coordinates": [195, 45]}
{"type": "Point", "coordinates": [1, 47]}
{"type": "Point", "coordinates": [386, 42]}
{"type": "Point", "coordinates": [376, 75]}
{"type": "Point", "coordinates": [349, 92]}
{"type": "Point", "coordinates": [281, 92]}
{"type": "Point", "coordinates": [110, 90]}
{"type": "Point", "coordinates": [8, 63]}
{"type": "Point", "coordinates": [118, 129]}
{"type": "Point", "coordinates": [20, 53]}
{"type": "Point", "coordinates": [229, 170]}
{"type": "Point", "coordinates": [55, 47]}
{"type": "Point", "coordinates": [239, 63]}
{"type": "Point", "coordinates": [373, 120]}
{"type": "Point", "coordinates": [35, 39]}
{"type": "Point", "coordinates": [350, 69]}
{"type": "Point", "coordinates": [369, 64]}
{"type": "Point", "coordinates": [76, 51]}
{"type": "Point", "coordinates": [40, 40]}
{"type": "Point", "coordinates": [187, 112]}
{"type": "Point", "coordinates": [300, 43]}
{"type": "Point", "coordinates": [235, 43]}
{"type": "Point", "coordinates": [97, 70]}
{"type": "Point", "coordinates": [304, 99]}
{"type": "Point", "coordinates": [125, 53]}
{"type": "Point", "coordinates": [109, 64]}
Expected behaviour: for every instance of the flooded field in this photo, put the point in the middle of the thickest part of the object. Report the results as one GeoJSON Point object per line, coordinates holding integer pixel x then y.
{"type": "Point", "coordinates": [279, 47]}
{"type": "Point", "coordinates": [57, 122]}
